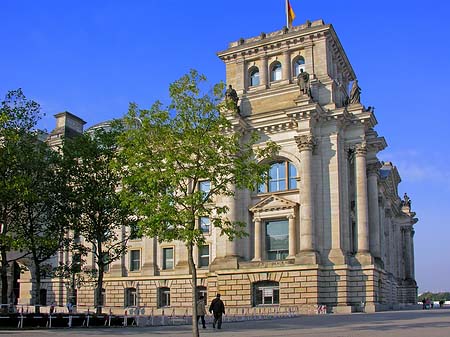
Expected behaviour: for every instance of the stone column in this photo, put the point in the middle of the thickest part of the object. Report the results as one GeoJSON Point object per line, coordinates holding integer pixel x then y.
{"type": "Point", "coordinates": [258, 238]}
{"type": "Point", "coordinates": [287, 66]}
{"type": "Point", "coordinates": [362, 216]}
{"type": "Point", "coordinates": [308, 254]}
{"type": "Point", "coordinates": [292, 237]}
{"type": "Point", "coordinates": [263, 71]}
{"type": "Point", "coordinates": [374, 215]}
{"type": "Point", "coordinates": [231, 246]}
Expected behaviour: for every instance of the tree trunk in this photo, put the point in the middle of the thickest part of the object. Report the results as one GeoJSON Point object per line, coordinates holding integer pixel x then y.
{"type": "Point", "coordinates": [98, 291]}
{"type": "Point", "coordinates": [37, 292]}
{"type": "Point", "coordinates": [193, 271]}
{"type": "Point", "coordinates": [4, 276]}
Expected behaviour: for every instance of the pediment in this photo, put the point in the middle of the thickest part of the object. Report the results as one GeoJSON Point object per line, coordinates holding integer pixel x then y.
{"type": "Point", "coordinates": [273, 203]}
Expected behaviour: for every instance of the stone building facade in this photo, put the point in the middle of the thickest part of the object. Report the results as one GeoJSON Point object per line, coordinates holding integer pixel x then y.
{"type": "Point", "coordinates": [327, 228]}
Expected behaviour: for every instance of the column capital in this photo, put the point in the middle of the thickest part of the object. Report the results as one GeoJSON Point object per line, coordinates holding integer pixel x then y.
{"type": "Point", "coordinates": [291, 216]}
{"type": "Point", "coordinates": [361, 149]}
{"type": "Point", "coordinates": [373, 168]}
{"type": "Point", "coordinates": [305, 142]}
{"type": "Point", "coordinates": [407, 229]}
{"type": "Point", "coordinates": [256, 219]}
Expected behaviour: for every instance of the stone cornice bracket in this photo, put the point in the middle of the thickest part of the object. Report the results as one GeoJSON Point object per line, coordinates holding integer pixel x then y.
{"type": "Point", "coordinates": [361, 148]}
{"type": "Point", "coordinates": [305, 142]}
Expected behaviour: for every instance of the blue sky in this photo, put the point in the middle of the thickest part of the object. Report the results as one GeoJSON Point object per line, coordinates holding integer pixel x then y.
{"type": "Point", "coordinates": [93, 57]}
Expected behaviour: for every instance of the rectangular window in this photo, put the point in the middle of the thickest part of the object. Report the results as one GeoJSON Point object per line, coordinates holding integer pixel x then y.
{"type": "Point", "coordinates": [130, 297]}
{"type": "Point", "coordinates": [135, 260]}
{"type": "Point", "coordinates": [164, 297]}
{"type": "Point", "coordinates": [267, 293]}
{"type": "Point", "coordinates": [204, 224]}
{"type": "Point", "coordinates": [277, 239]}
{"type": "Point", "coordinates": [204, 186]}
{"type": "Point", "coordinates": [203, 256]}
{"type": "Point", "coordinates": [167, 258]}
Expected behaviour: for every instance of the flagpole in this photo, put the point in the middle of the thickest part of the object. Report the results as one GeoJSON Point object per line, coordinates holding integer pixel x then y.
{"type": "Point", "coordinates": [287, 13]}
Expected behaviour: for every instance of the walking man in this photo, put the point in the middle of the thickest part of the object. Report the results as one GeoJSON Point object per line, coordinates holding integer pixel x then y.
{"type": "Point", "coordinates": [218, 309]}
{"type": "Point", "coordinates": [201, 310]}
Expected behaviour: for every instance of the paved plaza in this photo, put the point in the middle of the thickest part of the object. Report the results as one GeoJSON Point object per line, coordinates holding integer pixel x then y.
{"type": "Point", "coordinates": [426, 323]}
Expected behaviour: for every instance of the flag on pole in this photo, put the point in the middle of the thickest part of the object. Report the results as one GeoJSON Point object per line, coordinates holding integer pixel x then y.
{"type": "Point", "coordinates": [290, 15]}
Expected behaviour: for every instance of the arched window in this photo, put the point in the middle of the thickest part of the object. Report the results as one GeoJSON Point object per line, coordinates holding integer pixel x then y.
{"type": "Point", "coordinates": [282, 176]}
{"type": "Point", "coordinates": [266, 293]}
{"type": "Point", "coordinates": [254, 76]}
{"type": "Point", "coordinates": [275, 71]}
{"type": "Point", "coordinates": [299, 64]}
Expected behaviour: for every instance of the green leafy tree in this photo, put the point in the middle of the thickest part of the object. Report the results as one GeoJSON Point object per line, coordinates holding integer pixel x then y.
{"type": "Point", "coordinates": [96, 212]}
{"type": "Point", "coordinates": [18, 118]}
{"type": "Point", "coordinates": [39, 220]}
{"type": "Point", "coordinates": [171, 150]}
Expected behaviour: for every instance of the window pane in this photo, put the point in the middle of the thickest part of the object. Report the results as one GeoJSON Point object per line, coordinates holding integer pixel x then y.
{"type": "Point", "coordinates": [266, 293]}
{"type": "Point", "coordinates": [203, 253]}
{"type": "Point", "coordinates": [164, 297]}
{"type": "Point", "coordinates": [277, 177]}
{"type": "Point", "coordinates": [135, 260]}
{"type": "Point", "coordinates": [277, 239]}
{"type": "Point", "coordinates": [205, 186]}
{"type": "Point", "coordinates": [292, 176]}
{"type": "Point", "coordinates": [204, 224]}
{"type": "Point", "coordinates": [130, 297]}
{"type": "Point", "coordinates": [254, 78]}
{"type": "Point", "coordinates": [262, 188]}
{"type": "Point", "coordinates": [276, 72]}
{"type": "Point", "coordinates": [168, 258]}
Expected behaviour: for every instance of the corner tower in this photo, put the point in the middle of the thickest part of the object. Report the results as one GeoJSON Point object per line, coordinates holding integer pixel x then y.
{"type": "Point", "coordinates": [319, 211]}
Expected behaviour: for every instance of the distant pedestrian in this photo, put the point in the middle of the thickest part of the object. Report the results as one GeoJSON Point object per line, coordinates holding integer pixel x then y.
{"type": "Point", "coordinates": [218, 309]}
{"type": "Point", "coordinates": [52, 307]}
{"type": "Point", "coordinates": [201, 310]}
{"type": "Point", "coordinates": [69, 306]}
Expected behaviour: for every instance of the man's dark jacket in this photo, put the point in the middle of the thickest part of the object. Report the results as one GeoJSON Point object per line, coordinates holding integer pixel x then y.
{"type": "Point", "coordinates": [217, 306]}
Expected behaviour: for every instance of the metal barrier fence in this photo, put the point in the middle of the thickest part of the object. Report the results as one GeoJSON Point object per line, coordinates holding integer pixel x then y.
{"type": "Point", "coordinates": [141, 316]}
{"type": "Point", "coordinates": [164, 318]}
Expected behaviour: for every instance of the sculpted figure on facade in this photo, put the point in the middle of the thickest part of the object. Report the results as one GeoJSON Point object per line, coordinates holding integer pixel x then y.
{"type": "Point", "coordinates": [232, 97]}
{"type": "Point", "coordinates": [304, 83]}
{"type": "Point", "coordinates": [406, 200]}
{"type": "Point", "coordinates": [355, 93]}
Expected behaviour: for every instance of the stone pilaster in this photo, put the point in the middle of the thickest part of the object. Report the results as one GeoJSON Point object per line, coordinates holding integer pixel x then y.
{"type": "Point", "coordinates": [374, 216]}
{"type": "Point", "coordinates": [336, 199]}
{"type": "Point", "coordinates": [263, 72]}
{"type": "Point", "coordinates": [149, 257]}
{"type": "Point", "coordinates": [308, 253]}
{"type": "Point", "coordinates": [287, 66]}
{"type": "Point", "coordinates": [407, 233]}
